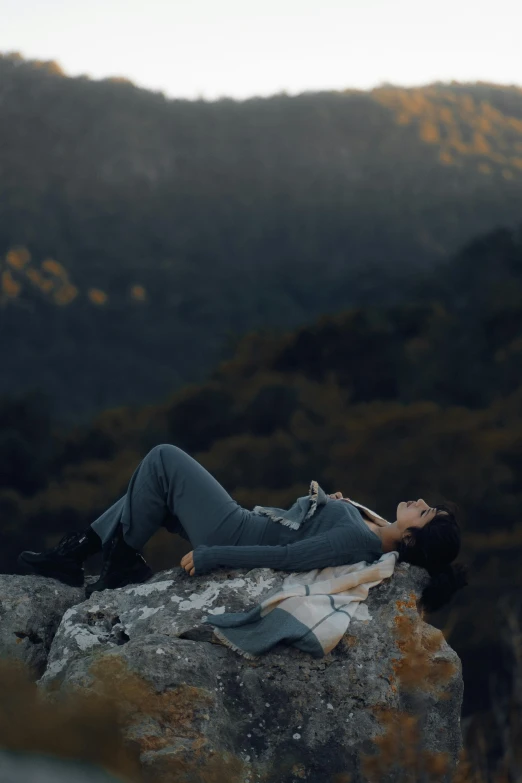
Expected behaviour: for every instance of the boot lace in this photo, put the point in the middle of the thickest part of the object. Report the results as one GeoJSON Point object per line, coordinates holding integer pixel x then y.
{"type": "Point", "coordinates": [66, 543]}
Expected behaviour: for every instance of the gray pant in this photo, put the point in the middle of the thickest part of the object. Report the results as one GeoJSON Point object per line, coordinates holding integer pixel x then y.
{"type": "Point", "coordinates": [171, 489]}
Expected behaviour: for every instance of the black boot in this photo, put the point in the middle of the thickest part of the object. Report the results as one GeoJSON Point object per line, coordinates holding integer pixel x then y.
{"type": "Point", "coordinates": [64, 561]}
{"type": "Point", "coordinates": [122, 565]}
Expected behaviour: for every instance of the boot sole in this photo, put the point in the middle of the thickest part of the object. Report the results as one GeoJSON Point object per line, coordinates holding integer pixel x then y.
{"type": "Point", "coordinates": [31, 569]}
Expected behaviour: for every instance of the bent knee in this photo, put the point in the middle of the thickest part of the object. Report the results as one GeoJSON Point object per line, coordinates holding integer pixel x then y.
{"type": "Point", "coordinates": [161, 450]}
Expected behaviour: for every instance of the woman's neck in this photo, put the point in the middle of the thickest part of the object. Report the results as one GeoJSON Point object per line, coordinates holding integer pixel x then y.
{"type": "Point", "coordinates": [390, 535]}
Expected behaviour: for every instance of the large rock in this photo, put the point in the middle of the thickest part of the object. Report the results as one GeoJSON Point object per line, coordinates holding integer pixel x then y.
{"type": "Point", "coordinates": [31, 609]}
{"type": "Point", "coordinates": [387, 697]}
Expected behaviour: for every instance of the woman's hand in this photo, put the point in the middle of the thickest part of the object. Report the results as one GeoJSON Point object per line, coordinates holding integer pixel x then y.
{"type": "Point", "coordinates": [336, 496]}
{"type": "Point", "coordinates": [187, 562]}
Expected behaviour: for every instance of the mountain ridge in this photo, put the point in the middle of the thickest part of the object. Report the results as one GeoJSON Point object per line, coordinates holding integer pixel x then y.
{"type": "Point", "coordinates": [223, 217]}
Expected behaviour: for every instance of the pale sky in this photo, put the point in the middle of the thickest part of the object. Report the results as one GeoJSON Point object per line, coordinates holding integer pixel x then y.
{"type": "Point", "coordinates": [238, 49]}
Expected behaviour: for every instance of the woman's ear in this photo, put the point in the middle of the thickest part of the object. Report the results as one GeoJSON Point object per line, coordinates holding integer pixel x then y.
{"type": "Point", "coordinates": [407, 538]}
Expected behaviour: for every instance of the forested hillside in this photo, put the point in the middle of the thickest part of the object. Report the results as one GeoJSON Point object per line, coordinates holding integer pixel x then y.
{"type": "Point", "coordinates": [422, 399]}
{"type": "Point", "coordinates": [140, 237]}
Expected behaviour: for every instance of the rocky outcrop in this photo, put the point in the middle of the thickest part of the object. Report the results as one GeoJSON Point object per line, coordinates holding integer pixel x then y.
{"type": "Point", "coordinates": [387, 697]}
{"type": "Point", "coordinates": [31, 610]}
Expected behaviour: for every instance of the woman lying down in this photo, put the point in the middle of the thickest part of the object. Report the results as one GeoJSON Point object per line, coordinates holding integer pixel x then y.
{"type": "Point", "coordinates": [169, 488]}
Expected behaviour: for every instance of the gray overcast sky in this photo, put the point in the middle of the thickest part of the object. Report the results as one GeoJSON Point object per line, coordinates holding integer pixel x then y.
{"type": "Point", "coordinates": [237, 48]}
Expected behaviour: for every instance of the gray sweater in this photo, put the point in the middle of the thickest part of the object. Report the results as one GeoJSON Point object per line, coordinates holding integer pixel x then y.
{"type": "Point", "coordinates": [336, 534]}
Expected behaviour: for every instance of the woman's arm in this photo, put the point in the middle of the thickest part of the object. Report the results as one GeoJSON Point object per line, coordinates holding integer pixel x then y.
{"type": "Point", "coordinates": [335, 547]}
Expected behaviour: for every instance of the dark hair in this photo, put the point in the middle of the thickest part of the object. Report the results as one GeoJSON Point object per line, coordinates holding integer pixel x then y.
{"type": "Point", "coordinates": [434, 547]}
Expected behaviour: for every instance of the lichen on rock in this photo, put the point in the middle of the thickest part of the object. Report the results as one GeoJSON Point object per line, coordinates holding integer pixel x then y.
{"type": "Point", "coordinates": [200, 712]}
{"type": "Point", "coordinates": [31, 609]}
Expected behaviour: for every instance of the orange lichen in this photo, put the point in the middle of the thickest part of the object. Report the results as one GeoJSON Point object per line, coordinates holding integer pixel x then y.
{"type": "Point", "coordinates": [189, 767]}
{"type": "Point", "coordinates": [411, 603]}
{"type": "Point", "coordinates": [417, 668]}
{"type": "Point", "coordinates": [349, 641]}
{"type": "Point", "coordinates": [178, 708]}
{"type": "Point", "coordinates": [177, 713]}
{"type": "Point", "coordinates": [399, 747]}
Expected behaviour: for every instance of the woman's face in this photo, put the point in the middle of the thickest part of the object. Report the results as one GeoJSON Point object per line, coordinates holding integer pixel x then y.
{"type": "Point", "coordinates": [414, 513]}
